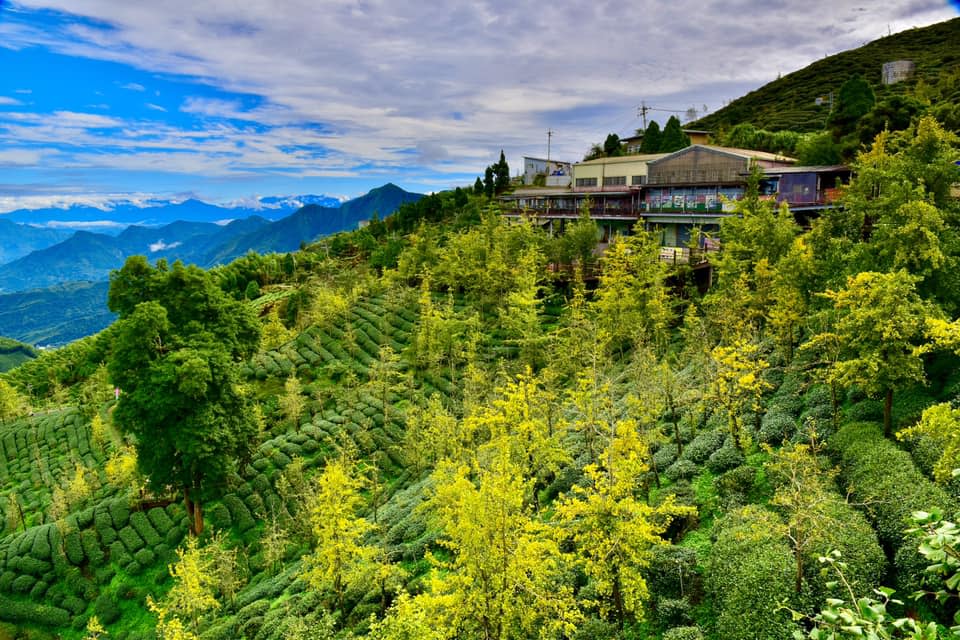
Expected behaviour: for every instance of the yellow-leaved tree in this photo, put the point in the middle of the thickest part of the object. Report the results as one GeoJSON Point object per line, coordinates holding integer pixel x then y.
{"type": "Point", "coordinates": [738, 384]}
{"type": "Point", "coordinates": [341, 557]}
{"type": "Point", "coordinates": [503, 575]}
{"type": "Point", "coordinates": [614, 532]}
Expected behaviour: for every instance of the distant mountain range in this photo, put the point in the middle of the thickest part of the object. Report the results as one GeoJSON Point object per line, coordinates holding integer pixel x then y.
{"type": "Point", "coordinates": [115, 215]}
{"type": "Point", "coordinates": [57, 293]}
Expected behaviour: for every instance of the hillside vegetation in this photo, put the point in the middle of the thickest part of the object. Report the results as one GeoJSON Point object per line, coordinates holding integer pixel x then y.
{"type": "Point", "coordinates": [452, 426]}
{"type": "Point", "coordinates": [13, 353]}
{"type": "Point", "coordinates": [788, 101]}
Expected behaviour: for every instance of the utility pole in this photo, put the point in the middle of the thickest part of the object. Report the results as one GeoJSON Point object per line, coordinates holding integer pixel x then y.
{"type": "Point", "coordinates": [642, 112]}
{"type": "Point", "coordinates": [549, 135]}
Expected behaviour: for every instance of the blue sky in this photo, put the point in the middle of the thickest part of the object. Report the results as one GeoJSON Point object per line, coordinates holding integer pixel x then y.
{"type": "Point", "coordinates": [101, 99]}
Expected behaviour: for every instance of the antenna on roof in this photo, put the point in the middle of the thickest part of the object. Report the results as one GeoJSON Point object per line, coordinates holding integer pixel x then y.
{"type": "Point", "coordinates": [549, 135]}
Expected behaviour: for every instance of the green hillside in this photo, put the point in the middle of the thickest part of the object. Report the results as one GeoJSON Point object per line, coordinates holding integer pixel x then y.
{"type": "Point", "coordinates": [788, 102]}
{"type": "Point", "coordinates": [13, 353]}
{"type": "Point", "coordinates": [452, 435]}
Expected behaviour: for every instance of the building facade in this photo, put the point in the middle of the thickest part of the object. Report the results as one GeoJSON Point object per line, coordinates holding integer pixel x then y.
{"type": "Point", "coordinates": [684, 194]}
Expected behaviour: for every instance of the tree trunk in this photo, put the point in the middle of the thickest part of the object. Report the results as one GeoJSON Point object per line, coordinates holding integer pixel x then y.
{"type": "Point", "coordinates": [798, 578]}
{"type": "Point", "coordinates": [195, 511]}
{"type": "Point", "coordinates": [888, 413]}
{"type": "Point", "coordinates": [617, 596]}
{"type": "Point", "coordinates": [836, 404]}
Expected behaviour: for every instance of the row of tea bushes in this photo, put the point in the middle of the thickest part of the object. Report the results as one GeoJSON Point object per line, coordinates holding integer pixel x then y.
{"type": "Point", "coordinates": [40, 453]}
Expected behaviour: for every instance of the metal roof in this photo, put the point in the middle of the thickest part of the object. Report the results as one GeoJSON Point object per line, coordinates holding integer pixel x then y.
{"type": "Point", "coordinates": [746, 154]}
{"type": "Point", "coordinates": [832, 168]}
{"type": "Point", "coordinates": [637, 157]}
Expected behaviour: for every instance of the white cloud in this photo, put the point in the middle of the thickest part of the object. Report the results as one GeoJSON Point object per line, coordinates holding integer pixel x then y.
{"type": "Point", "coordinates": [384, 77]}
{"type": "Point", "coordinates": [160, 245]}
{"type": "Point", "coordinates": [156, 107]}
{"type": "Point", "coordinates": [83, 224]}
{"type": "Point", "coordinates": [9, 102]}
{"type": "Point", "coordinates": [19, 157]}
{"type": "Point", "coordinates": [134, 86]}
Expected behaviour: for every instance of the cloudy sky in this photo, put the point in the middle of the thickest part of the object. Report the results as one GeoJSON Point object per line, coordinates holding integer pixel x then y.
{"type": "Point", "coordinates": [224, 100]}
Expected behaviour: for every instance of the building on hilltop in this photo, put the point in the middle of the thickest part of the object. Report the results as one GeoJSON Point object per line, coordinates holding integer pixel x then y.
{"type": "Point", "coordinates": [549, 173]}
{"type": "Point", "coordinates": [632, 144]}
{"type": "Point", "coordinates": [897, 71]}
{"type": "Point", "coordinates": [684, 194]}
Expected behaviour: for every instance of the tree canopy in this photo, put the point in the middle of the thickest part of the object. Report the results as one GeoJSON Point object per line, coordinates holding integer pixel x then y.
{"type": "Point", "coordinates": [175, 356]}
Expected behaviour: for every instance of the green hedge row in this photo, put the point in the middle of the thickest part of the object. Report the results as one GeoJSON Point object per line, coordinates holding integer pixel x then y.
{"type": "Point", "coordinates": [884, 479]}
{"type": "Point", "coordinates": [749, 572]}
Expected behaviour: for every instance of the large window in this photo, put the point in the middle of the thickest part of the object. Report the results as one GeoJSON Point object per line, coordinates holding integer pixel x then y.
{"type": "Point", "coordinates": [638, 180]}
{"type": "Point", "coordinates": [614, 181]}
{"type": "Point", "coordinates": [586, 182]}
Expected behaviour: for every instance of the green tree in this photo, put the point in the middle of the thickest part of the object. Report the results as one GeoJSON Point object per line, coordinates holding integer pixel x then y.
{"type": "Point", "coordinates": [854, 100]}
{"type": "Point", "coordinates": [632, 300]}
{"type": "Point", "coordinates": [738, 384]}
{"type": "Point", "coordinates": [652, 137]}
{"type": "Point", "coordinates": [673, 138]}
{"type": "Point", "coordinates": [177, 348]}
{"type": "Point", "coordinates": [489, 182]}
{"type": "Point", "coordinates": [292, 402]}
{"type": "Point", "coordinates": [877, 328]}
{"type": "Point", "coordinates": [612, 147]}
{"type": "Point", "coordinates": [501, 172]}
{"type": "Point", "coordinates": [817, 149]}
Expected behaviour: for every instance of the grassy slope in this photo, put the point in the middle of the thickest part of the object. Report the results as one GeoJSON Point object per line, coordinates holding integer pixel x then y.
{"type": "Point", "coordinates": [14, 353]}
{"type": "Point", "coordinates": [788, 102]}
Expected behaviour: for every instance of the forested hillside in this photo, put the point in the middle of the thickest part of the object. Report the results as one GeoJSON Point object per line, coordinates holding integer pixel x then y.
{"type": "Point", "coordinates": [445, 425]}
{"type": "Point", "coordinates": [789, 101]}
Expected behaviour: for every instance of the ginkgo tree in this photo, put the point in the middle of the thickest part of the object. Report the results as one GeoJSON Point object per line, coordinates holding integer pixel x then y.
{"type": "Point", "coordinates": [502, 576]}
{"type": "Point", "coordinates": [876, 330]}
{"type": "Point", "coordinates": [614, 532]}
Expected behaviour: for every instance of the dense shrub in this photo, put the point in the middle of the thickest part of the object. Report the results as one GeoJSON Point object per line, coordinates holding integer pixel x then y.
{"type": "Point", "coordinates": [735, 485]}
{"type": "Point", "coordinates": [41, 543]}
{"type": "Point", "coordinates": [786, 403]}
{"type": "Point", "coordinates": [131, 540]}
{"type": "Point", "coordinates": [23, 584]}
{"type": "Point", "coordinates": [672, 571]}
{"type": "Point", "coordinates": [139, 521]}
{"type": "Point", "coordinates": [104, 525]}
{"type": "Point", "coordinates": [119, 513]}
{"type": "Point", "coordinates": [74, 605]}
{"type": "Point", "coordinates": [106, 609]}
{"type": "Point", "coordinates": [239, 513]}
{"type": "Point", "coordinates": [673, 612]}
{"type": "Point", "coordinates": [681, 470]}
{"type": "Point", "coordinates": [145, 557]}
{"type": "Point", "coordinates": [683, 633]}
{"type": "Point", "coordinates": [665, 456]}
{"type": "Point", "coordinates": [725, 458]}
{"type": "Point", "coordinates": [851, 535]}
{"type": "Point", "coordinates": [749, 572]}
{"type": "Point", "coordinates": [29, 612]}
{"type": "Point", "coordinates": [160, 520]}
{"type": "Point", "coordinates": [73, 547]}
{"type": "Point", "coordinates": [119, 554]}
{"type": "Point", "coordinates": [868, 410]}
{"type": "Point", "coordinates": [883, 478]}
{"type": "Point", "coordinates": [219, 517]}
{"type": "Point", "coordinates": [703, 445]}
